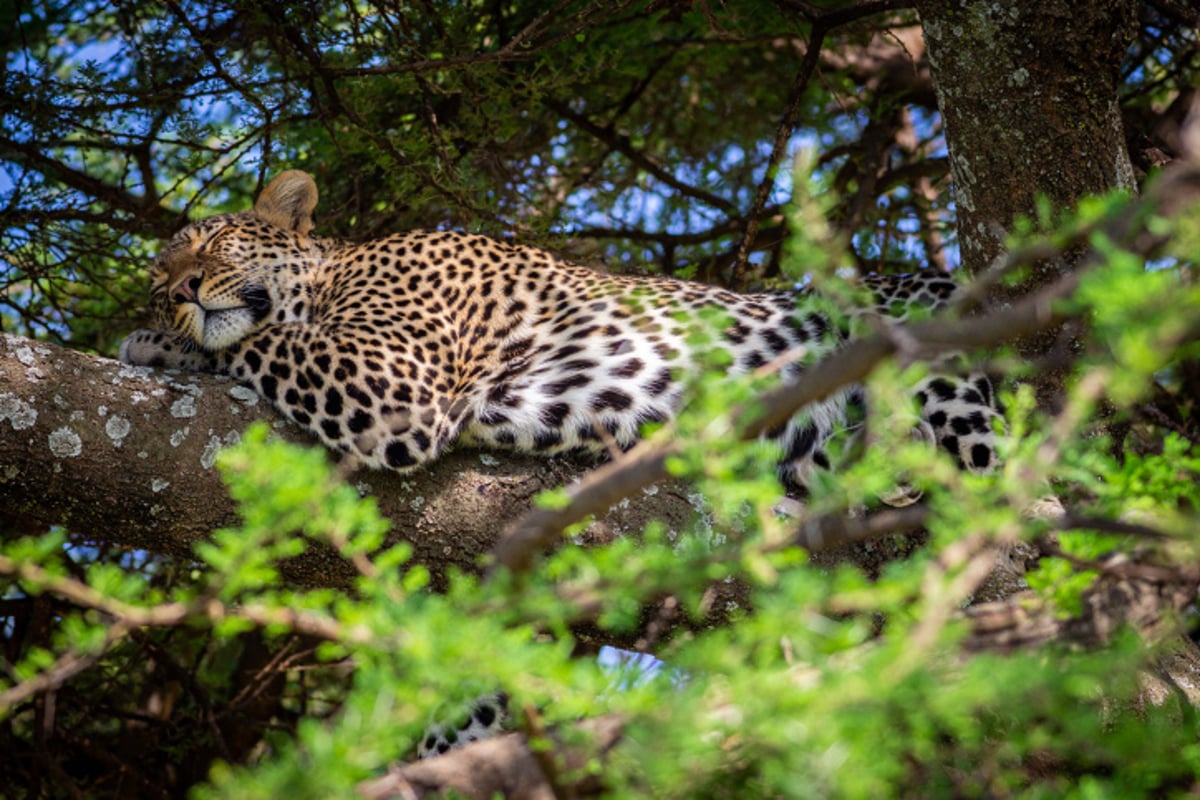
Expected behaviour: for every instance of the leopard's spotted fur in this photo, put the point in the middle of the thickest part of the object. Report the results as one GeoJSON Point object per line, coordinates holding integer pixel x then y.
{"type": "Point", "coordinates": [394, 349]}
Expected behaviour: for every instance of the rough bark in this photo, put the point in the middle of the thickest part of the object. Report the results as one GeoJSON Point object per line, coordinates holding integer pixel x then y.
{"type": "Point", "coordinates": [125, 455]}
{"type": "Point", "coordinates": [1028, 96]}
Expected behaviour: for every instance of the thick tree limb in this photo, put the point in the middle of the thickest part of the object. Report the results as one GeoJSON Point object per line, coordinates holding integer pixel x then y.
{"type": "Point", "coordinates": [1072, 115]}
{"type": "Point", "coordinates": [124, 455]}
{"type": "Point", "coordinates": [974, 48]}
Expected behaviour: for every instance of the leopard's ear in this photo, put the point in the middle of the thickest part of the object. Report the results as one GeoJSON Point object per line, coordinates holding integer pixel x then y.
{"type": "Point", "coordinates": [288, 201]}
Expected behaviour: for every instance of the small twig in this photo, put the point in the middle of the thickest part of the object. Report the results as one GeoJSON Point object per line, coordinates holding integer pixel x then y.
{"type": "Point", "coordinates": [63, 669]}
{"type": "Point", "coordinates": [187, 679]}
{"type": "Point", "coordinates": [169, 614]}
{"type": "Point", "coordinates": [822, 23]}
{"type": "Point", "coordinates": [535, 734]}
{"type": "Point", "coordinates": [520, 544]}
{"type": "Point", "coordinates": [263, 676]}
{"type": "Point", "coordinates": [623, 145]}
{"type": "Point", "coordinates": [1152, 413]}
{"type": "Point", "coordinates": [828, 531]}
{"type": "Point", "coordinates": [1073, 522]}
{"type": "Point", "coordinates": [978, 562]}
{"type": "Point", "coordinates": [782, 134]}
{"type": "Point", "coordinates": [518, 48]}
{"type": "Point", "coordinates": [667, 611]}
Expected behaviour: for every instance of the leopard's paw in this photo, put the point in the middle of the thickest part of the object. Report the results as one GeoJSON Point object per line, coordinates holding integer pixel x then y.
{"type": "Point", "coordinates": [150, 348]}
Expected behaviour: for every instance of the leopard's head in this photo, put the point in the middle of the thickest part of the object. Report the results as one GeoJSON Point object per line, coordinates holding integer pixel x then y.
{"type": "Point", "coordinates": [222, 278]}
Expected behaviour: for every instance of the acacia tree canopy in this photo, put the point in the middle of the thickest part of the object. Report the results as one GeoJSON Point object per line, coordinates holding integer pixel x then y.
{"type": "Point", "coordinates": [643, 134]}
{"type": "Point", "coordinates": [157, 613]}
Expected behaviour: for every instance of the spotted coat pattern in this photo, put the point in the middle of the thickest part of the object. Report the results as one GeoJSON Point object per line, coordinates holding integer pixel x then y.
{"type": "Point", "coordinates": [484, 719]}
{"type": "Point", "coordinates": [392, 350]}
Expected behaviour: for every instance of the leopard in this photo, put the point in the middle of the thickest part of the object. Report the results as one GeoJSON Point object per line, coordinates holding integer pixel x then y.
{"type": "Point", "coordinates": [393, 350]}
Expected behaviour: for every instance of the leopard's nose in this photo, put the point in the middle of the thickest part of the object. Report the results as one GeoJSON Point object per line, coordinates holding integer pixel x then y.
{"type": "Point", "coordinates": [187, 290]}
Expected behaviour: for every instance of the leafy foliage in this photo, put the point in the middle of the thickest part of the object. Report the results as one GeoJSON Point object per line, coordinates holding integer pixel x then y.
{"type": "Point", "coordinates": [820, 682]}
{"type": "Point", "coordinates": [637, 133]}
{"type": "Point", "coordinates": [640, 132]}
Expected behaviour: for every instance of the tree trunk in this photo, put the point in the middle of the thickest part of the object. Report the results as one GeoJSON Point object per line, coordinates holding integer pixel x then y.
{"type": "Point", "coordinates": [1028, 96]}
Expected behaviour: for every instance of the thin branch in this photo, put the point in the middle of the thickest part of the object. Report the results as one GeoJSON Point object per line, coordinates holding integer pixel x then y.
{"type": "Point", "coordinates": [717, 231]}
{"type": "Point", "coordinates": [518, 48]}
{"type": "Point", "coordinates": [822, 23]}
{"type": "Point", "coordinates": [127, 618]}
{"type": "Point", "coordinates": [434, 64]}
{"type": "Point", "coordinates": [62, 670]}
{"type": "Point", "coordinates": [833, 17]}
{"type": "Point", "coordinates": [831, 531]}
{"type": "Point", "coordinates": [782, 134]}
{"type": "Point", "coordinates": [622, 144]}
{"type": "Point", "coordinates": [519, 546]}
{"type": "Point", "coordinates": [203, 42]}
{"type": "Point", "coordinates": [160, 221]}
{"type": "Point", "coordinates": [1179, 11]}
{"type": "Point", "coordinates": [1075, 522]}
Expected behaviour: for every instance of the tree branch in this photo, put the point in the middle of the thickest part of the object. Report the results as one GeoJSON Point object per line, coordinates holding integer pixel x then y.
{"type": "Point", "coordinates": [624, 146]}
{"type": "Point", "coordinates": [124, 455]}
{"type": "Point", "coordinates": [822, 23]}
{"type": "Point", "coordinates": [159, 221]}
